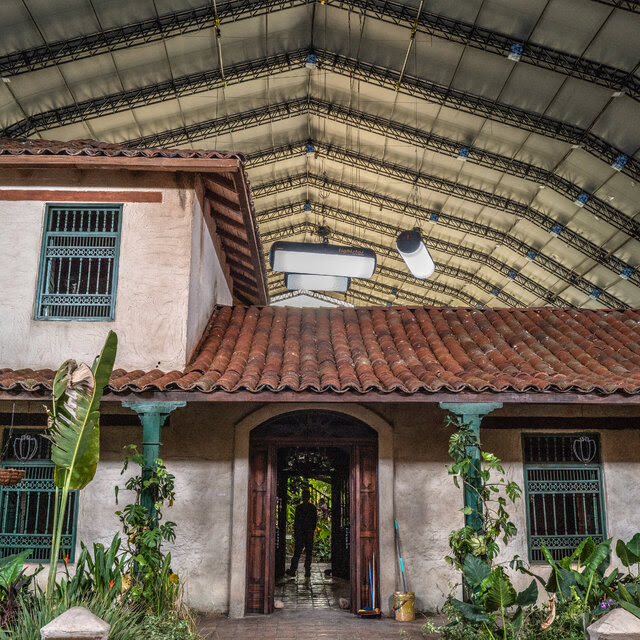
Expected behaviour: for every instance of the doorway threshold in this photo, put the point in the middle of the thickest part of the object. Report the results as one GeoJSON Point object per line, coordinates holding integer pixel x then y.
{"type": "Point", "coordinates": [320, 591]}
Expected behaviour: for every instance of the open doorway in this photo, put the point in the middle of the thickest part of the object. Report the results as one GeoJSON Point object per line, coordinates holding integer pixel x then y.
{"type": "Point", "coordinates": [323, 472]}
{"type": "Point", "coordinates": [341, 454]}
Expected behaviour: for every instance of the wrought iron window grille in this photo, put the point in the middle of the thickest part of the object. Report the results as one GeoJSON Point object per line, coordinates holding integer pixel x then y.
{"type": "Point", "coordinates": [79, 262]}
{"type": "Point", "coordinates": [563, 492]}
{"type": "Point", "coordinates": [26, 509]}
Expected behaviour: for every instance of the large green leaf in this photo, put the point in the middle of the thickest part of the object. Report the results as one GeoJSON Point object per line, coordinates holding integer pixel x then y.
{"type": "Point", "coordinates": [475, 570]}
{"type": "Point", "coordinates": [471, 611]}
{"type": "Point", "coordinates": [599, 559]}
{"type": "Point", "coordinates": [529, 596]}
{"type": "Point", "coordinates": [501, 594]}
{"type": "Point", "coordinates": [11, 567]}
{"type": "Point", "coordinates": [626, 552]}
{"type": "Point", "coordinates": [634, 546]}
{"type": "Point", "coordinates": [74, 428]}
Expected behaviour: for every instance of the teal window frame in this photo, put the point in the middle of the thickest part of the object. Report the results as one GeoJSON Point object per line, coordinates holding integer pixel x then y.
{"type": "Point", "coordinates": [94, 245]}
{"type": "Point", "coordinates": [564, 479]}
{"type": "Point", "coordinates": [26, 512]}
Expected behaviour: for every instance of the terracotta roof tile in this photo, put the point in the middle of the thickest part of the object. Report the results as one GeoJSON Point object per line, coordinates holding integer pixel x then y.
{"type": "Point", "coordinates": [93, 148]}
{"type": "Point", "coordinates": [402, 349]}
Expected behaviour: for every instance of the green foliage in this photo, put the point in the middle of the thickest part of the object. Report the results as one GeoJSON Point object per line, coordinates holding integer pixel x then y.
{"type": "Point", "coordinates": [168, 628]}
{"type": "Point", "coordinates": [581, 575]}
{"type": "Point", "coordinates": [74, 431]}
{"type": "Point", "coordinates": [494, 608]}
{"type": "Point", "coordinates": [148, 574]}
{"type": "Point", "coordinates": [13, 582]}
{"type": "Point", "coordinates": [98, 575]}
{"type": "Point", "coordinates": [126, 621]}
{"type": "Point", "coordinates": [494, 494]}
{"type": "Point", "coordinates": [629, 553]}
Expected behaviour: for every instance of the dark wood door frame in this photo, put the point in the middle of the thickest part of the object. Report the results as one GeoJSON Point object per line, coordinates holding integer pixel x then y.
{"type": "Point", "coordinates": [261, 531]}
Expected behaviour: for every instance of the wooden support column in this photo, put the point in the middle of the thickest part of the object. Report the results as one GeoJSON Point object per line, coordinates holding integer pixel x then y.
{"type": "Point", "coordinates": [152, 415]}
{"type": "Point", "coordinates": [471, 413]}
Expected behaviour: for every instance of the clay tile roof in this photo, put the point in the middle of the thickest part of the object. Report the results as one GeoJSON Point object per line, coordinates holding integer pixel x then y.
{"type": "Point", "coordinates": [411, 350]}
{"type": "Point", "coordinates": [93, 148]}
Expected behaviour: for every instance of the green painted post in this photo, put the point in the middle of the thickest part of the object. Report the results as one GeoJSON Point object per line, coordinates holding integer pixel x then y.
{"type": "Point", "coordinates": [152, 415]}
{"type": "Point", "coordinates": [472, 414]}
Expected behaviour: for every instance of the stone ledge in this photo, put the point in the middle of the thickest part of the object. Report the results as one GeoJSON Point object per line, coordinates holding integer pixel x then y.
{"type": "Point", "coordinates": [76, 623]}
{"type": "Point", "coordinates": [618, 624]}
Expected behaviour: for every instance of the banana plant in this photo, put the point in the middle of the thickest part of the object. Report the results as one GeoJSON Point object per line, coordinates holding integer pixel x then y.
{"type": "Point", "coordinates": [74, 432]}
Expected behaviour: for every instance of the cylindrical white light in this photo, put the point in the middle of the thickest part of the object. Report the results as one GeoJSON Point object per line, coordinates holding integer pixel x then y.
{"type": "Point", "coordinates": [415, 254]}
{"type": "Point", "coordinates": [322, 259]}
{"type": "Point", "coordinates": [312, 282]}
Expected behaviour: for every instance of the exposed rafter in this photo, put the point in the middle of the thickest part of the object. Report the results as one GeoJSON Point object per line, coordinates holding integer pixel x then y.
{"type": "Point", "coordinates": [435, 244]}
{"type": "Point", "coordinates": [589, 249]}
{"type": "Point", "coordinates": [398, 276]}
{"type": "Point", "coordinates": [432, 24]}
{"type": "Point", "coordinates": [461, 224]}
{"type": "Point", "coordinates": [388, 128]}
{"type": "Point", "coordinates": [350, 67]}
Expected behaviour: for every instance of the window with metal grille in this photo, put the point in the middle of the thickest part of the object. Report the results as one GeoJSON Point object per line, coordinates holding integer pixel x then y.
{"type": "Point", "coordinates": [79, 262]}
{"type": "Point", "coordinates": [26, 510]}
{"type": "Point", "coordinates": [563, 490]}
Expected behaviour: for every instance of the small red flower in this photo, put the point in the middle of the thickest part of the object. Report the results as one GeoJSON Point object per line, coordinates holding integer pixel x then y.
{"type": "Point", "coordinates": [66, 560]}
{"type": "Point", "coordinates": [111, 583]}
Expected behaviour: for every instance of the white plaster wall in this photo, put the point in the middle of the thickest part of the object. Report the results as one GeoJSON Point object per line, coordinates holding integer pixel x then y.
{"type": "Point", "coordinates": [153, 280]}
{"type": "Point", "coordinates": [207, 284]}
{"type": "Point", "coordinates": [198, 448]}
{"type": "Point", "coordinates": [427, 503]}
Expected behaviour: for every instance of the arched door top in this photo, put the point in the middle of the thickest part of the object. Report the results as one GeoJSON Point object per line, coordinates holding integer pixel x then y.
{"type": "Point", "coordinates": [317, 425]}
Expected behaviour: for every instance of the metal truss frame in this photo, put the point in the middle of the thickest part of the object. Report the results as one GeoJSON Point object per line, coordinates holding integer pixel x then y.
{"type": "Point", "coordinates": [401, 276]}
{"type": "Point", "coordinates": [460, 224]}
{"type": "Point", "coordinates": [311, 294]}
{"type": "Point", "coordinates": [586, 247]}
{"type": "Point", "coordinates": [384, 127]}
{"type": "Point", "coordinates": [436, 244]}
{"type": "Point", "coordinates": [199, 18]}
{"type": "Point", "coordinates": [470, 194]}
{"type": "Point", "coordinates": [627, 5]}
{"type": "Point", "coordinates": [350, 67]}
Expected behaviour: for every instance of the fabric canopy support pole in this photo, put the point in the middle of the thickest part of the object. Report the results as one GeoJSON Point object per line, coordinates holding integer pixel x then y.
{"type": "Point", "coordinates": [152, 415]}
{"type": "Point", "coordinates": [471, 413]}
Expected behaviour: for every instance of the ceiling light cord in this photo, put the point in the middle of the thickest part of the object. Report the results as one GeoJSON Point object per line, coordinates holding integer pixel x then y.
{"type": "Point", "coordinates": [216, 26]}
{"type": "Point", "coordinates": [414, 29]}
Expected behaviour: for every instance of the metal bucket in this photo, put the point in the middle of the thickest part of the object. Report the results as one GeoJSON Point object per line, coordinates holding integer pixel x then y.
{"type": "Point", "coordinates": [404, 605]}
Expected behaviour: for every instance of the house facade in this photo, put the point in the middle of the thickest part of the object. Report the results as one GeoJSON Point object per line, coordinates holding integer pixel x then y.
{"type": "Point", "coordinates": [161, 246]}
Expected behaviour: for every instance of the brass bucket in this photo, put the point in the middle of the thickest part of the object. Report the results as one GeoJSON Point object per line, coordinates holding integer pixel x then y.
{"type": "Point", "coordinates": [404, 605]}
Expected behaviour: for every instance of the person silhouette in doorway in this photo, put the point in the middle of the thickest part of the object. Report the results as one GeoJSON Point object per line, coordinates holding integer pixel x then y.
{"type": "Point", "coordinates": [304, 527]}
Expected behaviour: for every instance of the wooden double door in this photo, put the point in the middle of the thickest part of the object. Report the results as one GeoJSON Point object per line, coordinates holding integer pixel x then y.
{"type": "Point", "coordinates": [354, 506]}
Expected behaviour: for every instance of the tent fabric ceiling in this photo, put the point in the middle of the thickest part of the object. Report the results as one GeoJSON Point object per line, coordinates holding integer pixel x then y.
{"type": "Point", "coordinates": [398, 90]}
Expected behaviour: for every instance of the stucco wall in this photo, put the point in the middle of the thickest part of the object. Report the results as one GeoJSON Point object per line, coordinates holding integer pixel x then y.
{"type": "Point", "coordinates": [164, 293]}
{"type": "Point", "coordinates": [198, 447]}
{"type": "Point", "coordinates": [207, 284]}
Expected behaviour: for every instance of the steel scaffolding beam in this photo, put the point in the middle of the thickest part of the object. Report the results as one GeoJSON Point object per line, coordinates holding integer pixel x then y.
{"type": "Point", "coordinates": [424, 214]}
{"type": "Point", "coordinates": [343, 65]}
{"type": "Point", "coordinates": [448, 187]}
{"type": "Point", "coordinates": [397, 13]}
{"type": "Point", "coordinates": [627, 5]}
{"type": "Point", "coordinates": [450, 248]}
{"type": "Point", "coordinates": [398, 276]}
{"type": "Point", "coordinates": [589, 249]}
{"type": "Point", "coordinates": [384, 127]}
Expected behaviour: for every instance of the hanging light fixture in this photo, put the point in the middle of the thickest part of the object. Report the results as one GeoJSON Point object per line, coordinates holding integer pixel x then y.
{"type": "Point", "coordinates": [322, 259]}
{"type": "Point", "coordinates": [315, 282]}
{"type": "Point", "coordinates": [415, 254]}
